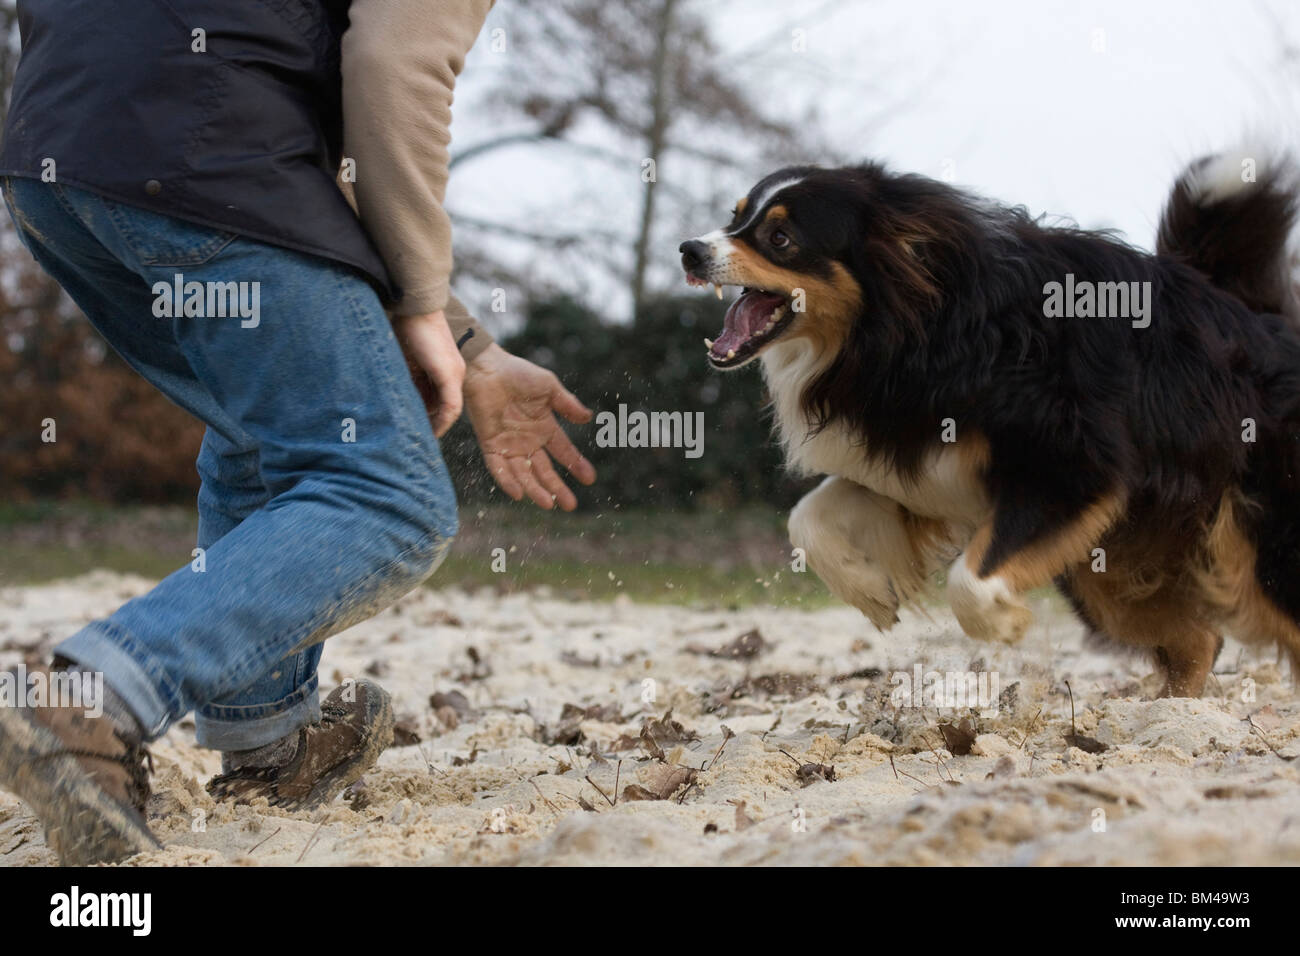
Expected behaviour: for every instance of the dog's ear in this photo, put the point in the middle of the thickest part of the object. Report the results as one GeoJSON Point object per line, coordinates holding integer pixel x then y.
{"type": "Point", "coordinates": [908, 238]}
{"type": "Point", "coordinates": [889, 255]}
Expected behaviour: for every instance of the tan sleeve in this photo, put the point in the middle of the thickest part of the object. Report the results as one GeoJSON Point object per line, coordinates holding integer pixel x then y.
{"type": "Point", "coordinates": [471, 337]}
{"type": "Point", "coordinates": [400, 63]}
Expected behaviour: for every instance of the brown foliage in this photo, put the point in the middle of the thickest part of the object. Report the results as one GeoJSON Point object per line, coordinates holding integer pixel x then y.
{"type": "Point", "coordinates": [116, 437]}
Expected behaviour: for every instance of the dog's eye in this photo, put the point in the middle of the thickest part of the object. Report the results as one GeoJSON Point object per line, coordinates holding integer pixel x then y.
{"type": "Point", "coordinates": [779, 239]}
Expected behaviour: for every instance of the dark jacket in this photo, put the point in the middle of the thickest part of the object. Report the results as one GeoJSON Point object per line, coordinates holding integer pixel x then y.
{"type": "Point", "coordinates": [238, 126]}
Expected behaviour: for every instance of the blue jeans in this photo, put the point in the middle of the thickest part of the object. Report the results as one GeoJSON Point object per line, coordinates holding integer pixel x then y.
{"type": "Point", "coordinates": [323, 496]}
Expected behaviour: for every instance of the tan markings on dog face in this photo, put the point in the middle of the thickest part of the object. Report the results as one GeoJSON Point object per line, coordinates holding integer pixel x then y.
{"type": "Point", "coordinates": [1036, 564]}
{"type": "Point", "coordinates": [830, 303]}
{"type": "Point", "coordinates": [741, 203]}
{"type": "Point", "coordinates": [1227, 582]}
{"type": "Point", "coordinates": [776, 214]}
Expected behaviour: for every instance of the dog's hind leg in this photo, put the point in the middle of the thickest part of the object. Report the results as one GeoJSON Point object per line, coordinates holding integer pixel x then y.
{"type": "Point", "coordinates": [868, 549]}
{"type": "Point", "coordinates": [1151, 601]}
{"type": "Point", "coordinates": [1187, 663]}
{"type": "Point", "coordinates": [1252, 587]}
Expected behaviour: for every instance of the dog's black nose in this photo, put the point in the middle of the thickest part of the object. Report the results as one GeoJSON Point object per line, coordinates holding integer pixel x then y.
{"type": "Point", "coordinates": [693, 253]}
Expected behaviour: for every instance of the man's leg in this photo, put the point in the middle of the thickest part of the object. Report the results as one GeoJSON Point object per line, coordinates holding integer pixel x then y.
{"type": "Point", "coordinates": [360, 508]}
{"type": "Point", "coordinates": [263, 718]}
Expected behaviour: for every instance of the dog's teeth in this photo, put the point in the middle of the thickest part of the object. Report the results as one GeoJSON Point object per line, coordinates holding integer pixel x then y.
{"type": "Point", "coordinates": [718, 289]}
{"type": "Point", "coordinates": [708, 344]}
{"type": "Point", "coordinates": [731, 353]}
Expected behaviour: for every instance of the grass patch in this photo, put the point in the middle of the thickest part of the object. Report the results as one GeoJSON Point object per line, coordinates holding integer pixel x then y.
{"type": "Point", "coordinates": [726, 558]}
{"type": "Point", "coordinates": [651, 583]}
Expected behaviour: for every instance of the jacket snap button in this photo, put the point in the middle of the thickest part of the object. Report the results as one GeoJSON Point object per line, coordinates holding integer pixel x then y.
{"type": "Point", "coordinates": [153, 187]}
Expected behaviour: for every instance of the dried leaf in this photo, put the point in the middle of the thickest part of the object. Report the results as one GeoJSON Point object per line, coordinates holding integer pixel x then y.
{"type": "Point", "coordinates": [456, 701]}
{"type": "Point", "coordinates": [747, 645]}
{"type": "Point", "coordinates": [568, 732]}
{"type": "Point", "coordinates": [958, 739]}
{"type": "Point", "coordinates": [1089, 745]}
{"type": "Point", "coordinates": [634, 791]}
{"type": "Point", "coordinates": [669, 731]}
{"type": "Point", "coordinates": [439, 616]}
{"type": "Point", "coordinates": [778, 685]}
{"type": "Point", "coordinates": [652, 747]}
{"type": "Point", "coordinates": [479, 669]}
{"type": "Point", "coordinates": [866, 673]}
{"type": "Point", "coordinates": [661, 782]}
{"type": "Point", "coordinates": [357, 796]}
{"type": "Point", "coordinates": [666, 779]}
{"type": "Point", "coordinates": [465, 761]}
{"type": "Point", "coordinates": [812, 772]}
{"type": "Point", "coordinates": [406, 731]}
{"type": "Point", "coordinates": [573, 659]}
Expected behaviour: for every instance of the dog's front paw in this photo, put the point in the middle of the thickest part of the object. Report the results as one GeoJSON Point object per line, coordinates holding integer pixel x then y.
{"type": "Point", "coordinates": [865, 587]}
{"type": "Point", "coordinates": [986, 608]}
{"type": "Point", "coordinates": [835, 526]}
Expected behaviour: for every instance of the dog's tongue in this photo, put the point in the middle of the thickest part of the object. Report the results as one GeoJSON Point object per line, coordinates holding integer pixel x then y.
{"type": "Point", "coordinates": [747, 316]}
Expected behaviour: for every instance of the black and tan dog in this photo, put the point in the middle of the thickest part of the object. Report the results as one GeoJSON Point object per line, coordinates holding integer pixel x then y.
{"type": "Point", "coordinates": [1045, 405]}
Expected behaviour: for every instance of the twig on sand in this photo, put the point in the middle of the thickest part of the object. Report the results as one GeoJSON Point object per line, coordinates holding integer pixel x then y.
{"type": "Point", "coordinates": [310, 841]}
{"type": "Point", "coordinates": [1259, 733]}
{"type": "Point", "coordinates": [940, 759]}
{"type": "Point", "coordinates": [599, 791]}
{"type": "Point", "coordinates": [429, 763]}
{"type": "Point", "coordinates": [909, 776]}
{"type": "Point", "coordinates": [263, 840]}
{"type": "Point", "coordinates": [553, 807]}
{"type": "Point", "coordinates": [1030, 729]}
{"type": "Point", "coordinates": [727, 736]}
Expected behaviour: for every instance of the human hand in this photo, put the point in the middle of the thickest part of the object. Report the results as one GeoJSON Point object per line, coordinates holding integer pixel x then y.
{"type": "Point", "coordinates": [511, 403]}
{"type": "Point", "coordinates": [435, 363]}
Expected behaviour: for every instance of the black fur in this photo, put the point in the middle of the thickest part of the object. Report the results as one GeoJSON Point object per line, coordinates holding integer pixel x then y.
{"type": "Point", "coordinates": [1235, 240]}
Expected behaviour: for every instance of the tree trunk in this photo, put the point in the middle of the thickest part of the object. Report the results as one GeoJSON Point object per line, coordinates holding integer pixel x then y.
{"type": "Point", "coordinates": [656, 138]}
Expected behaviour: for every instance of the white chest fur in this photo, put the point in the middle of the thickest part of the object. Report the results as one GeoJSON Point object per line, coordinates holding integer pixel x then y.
{"type": "Point", "coordinates": [944, 489]}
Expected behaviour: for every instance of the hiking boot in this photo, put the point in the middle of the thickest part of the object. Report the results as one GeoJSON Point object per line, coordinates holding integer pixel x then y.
{"type": "Point", "coordinates": [83, 778]}
{"type": "Point", "coordinates": [356, 726]}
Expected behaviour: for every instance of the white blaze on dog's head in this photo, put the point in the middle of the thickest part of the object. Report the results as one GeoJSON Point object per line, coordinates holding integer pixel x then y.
{"type": "Point", "coordinates": [719, 241]}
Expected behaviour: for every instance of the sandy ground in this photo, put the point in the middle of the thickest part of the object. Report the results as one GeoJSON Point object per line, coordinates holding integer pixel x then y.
{"type": "Point", "coordinates": [544, 702]}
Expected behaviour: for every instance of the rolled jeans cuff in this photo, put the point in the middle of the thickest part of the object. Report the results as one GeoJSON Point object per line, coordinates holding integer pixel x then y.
{"type": "Point", "coordinates": [243, 727]}
{"type": "Point", "coordinates": [134, 676]}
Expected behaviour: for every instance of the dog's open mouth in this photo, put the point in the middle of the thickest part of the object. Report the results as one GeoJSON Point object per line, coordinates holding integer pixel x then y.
{"type": "Point", "coordinates": [753, 320]}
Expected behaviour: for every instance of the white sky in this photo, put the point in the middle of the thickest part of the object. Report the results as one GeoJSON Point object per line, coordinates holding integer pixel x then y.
{"type": "Point", "coordinates": [1008, 95]}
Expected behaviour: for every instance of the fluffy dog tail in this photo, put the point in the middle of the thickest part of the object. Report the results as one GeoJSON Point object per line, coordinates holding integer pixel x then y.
{"type": "Point", "coordinates": [1233, 217]}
